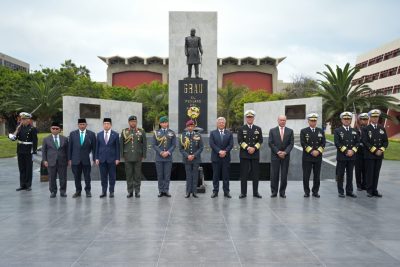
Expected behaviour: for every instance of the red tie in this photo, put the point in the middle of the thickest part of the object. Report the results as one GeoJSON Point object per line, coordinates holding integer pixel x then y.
{"type": "Point", "coordinates": [281, 134]}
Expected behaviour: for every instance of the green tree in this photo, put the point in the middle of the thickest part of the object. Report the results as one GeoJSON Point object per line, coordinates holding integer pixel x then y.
{"type": "Point", "coordinates": [227, 97]}
{"type": "Point", "coordinates": [301, 86]}
{"type": "Point", "coordinates": [340, 95]}
{"type": "Point", "coordinates": [118, 93]}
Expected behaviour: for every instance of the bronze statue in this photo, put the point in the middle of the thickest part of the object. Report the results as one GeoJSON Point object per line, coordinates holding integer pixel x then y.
{"type": "Point", "coordinates": [193, 52]}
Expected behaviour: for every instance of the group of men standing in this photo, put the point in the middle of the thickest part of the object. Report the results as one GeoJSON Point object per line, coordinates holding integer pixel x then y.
{"type": "Point", "coordinates": [362, 147]}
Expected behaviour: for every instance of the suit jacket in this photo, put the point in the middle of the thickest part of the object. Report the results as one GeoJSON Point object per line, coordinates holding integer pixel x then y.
{"type": "Point", "coordinates": [78, 153]}
{"type": "Point", "coordinates": [51, 154]}
{"type": "Point", "coordinates": [217, 145]}
{"type": "Point", "coordinates": [276, 144]}
{"type": "Point", "coordinates": [107, 152]}
{"type": "Point", "coordinates": [374, 139]}
{"type": "Point", "coordinates": [164, 142]}
{"type": "Point", "coordinates": [191, 146]}
{"type": "Point", "coordinates": [311, 141]}
{"type": "Point", "coordinates": [249, 138]}
{"type": "Point", "coordinates": [346, 140]}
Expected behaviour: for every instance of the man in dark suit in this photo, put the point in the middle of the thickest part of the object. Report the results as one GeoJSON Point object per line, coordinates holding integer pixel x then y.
{"type": "Point", "coordinates": [281, 142]}
{"type": "Point", "coordinates": [375, 141]}
{"type": "Point", "coordinates": [191, 146]}
{"type": "Point", "coordinates": [107, 157]}
{"type": "Point", "coordinates": [347, 142]}
{"type": "Point", "coordinates": [313, 141]}
{"type": "Point", "coordinates": [360, 167]}
{"type": "Point", "coordinates": [221, 143]}
{"type": "Point", "coordinates": [81, 143]}
{"type": "Point", "coordinates": [55, 159]}
{"type": "Point", "coordinates": [250, 139]}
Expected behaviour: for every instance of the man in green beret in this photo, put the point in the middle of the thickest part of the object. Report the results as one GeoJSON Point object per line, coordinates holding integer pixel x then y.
{"type": "Point", "coordinates": [133, 150]}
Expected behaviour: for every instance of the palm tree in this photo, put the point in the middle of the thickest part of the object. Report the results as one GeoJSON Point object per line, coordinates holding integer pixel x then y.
{"type": "Point", "coordinates": [43, 99]}
{"type": "Point", "coordinates": [227, 97]}
{"type": "Point", "coordinates": [340, 95]}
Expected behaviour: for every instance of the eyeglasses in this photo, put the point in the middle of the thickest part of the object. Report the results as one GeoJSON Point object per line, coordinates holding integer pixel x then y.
{"type": "Point", "coordinates": [55, 128]}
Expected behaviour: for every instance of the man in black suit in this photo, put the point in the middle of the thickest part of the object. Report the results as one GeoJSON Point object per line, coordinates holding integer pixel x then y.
{"type": "Point", "coordinates": [250, 139]}
{"type": "Point", "coordinates": [281, 142]}
{"type": "Point", "coordinates": [347, 142]}
{"type": "Point", "coordinates": [221, 143]}
{"type": "Point", "coordinates": [375, 141]}
{"type": "Point", "coordinates": [55, 159]}
{"type": "Point", "coordinates": [81, 143]}
{"type": "Point", "coordinates": [313, 141]}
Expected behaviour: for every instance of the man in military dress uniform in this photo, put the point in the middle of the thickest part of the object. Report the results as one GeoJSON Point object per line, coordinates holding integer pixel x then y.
{"type": "Point", "coordinates": [359, 167]}
{"type": "Point", "coordinates": [191, 146]}
{"type": "Point", "coordinates": [164, 143]}
{"type": "Point", "coordinates": [312, 140]}
{"type": "Point", "coordinates": [193, 49]}
{"type": "Point", "coordinates": [133, 149]}
{"type": "Point", "coordinates": [250, 139]}
{"type": "Point", "coordinates": [26, 137]}
{"type": "Point", "coordinates": [375, 141]}
{"type": "Point", "coordinates": [347, 142]}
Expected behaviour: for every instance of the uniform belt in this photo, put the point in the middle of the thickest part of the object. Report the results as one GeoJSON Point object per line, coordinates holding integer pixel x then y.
{"type": "Point", "coordinates": [24, 143]}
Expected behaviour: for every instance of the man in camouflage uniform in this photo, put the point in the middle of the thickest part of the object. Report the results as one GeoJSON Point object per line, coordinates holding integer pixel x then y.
{"type": "Point", "coordinates": [133, 149]}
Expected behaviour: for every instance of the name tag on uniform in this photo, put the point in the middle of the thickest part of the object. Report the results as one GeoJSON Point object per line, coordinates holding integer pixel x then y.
{"type": "Point", "coordinates": [256, 132]}
{"type": "Point", "coordinates": [170, 134]}
{"type": "Point", "coordinates": [381, 131]}
{"type": "Point", "coordinates": [319, 134]}
{"type": "Point", "coordinates": [196, 138]}
{"type": "Point", "coordinates": [353, 132]}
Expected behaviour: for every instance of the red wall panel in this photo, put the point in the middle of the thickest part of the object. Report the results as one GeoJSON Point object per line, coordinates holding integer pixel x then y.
{"type": "Point", "coordinates": [252, 79]}
{"type": "Point", "coordinates": [390, 127]}
{"type": "Point", "coordinates": [132, 79]}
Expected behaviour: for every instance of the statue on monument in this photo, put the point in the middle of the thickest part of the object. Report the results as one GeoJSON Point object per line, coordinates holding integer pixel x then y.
{"type": "Point", "coordinates": [193, 52]}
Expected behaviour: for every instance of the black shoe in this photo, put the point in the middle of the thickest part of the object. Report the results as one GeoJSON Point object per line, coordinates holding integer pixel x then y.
{"type": "Point", "coordinates": [194, 195]}
{"type": "Point", "coordinates": [28, 189]}
{"type": "Point", "coordinates": [359, 189]}
{"type": "Point", "coordinates": [111, 194]}
{"type": "Point", "coordinates": [282, 195]}
{"type": "Point", "coordinates": [77, 194]}
{"type": "Point", "coordinates": [257, 195]}
{"type": "Point", "coordinates": [63, 195]}
{"type": "Point", "coordinates": [351, 195]}
{"type": "Point", "coordinates": [316, 195]}
{"type": "Point", "coordinates": [214, 194]}
{"type": "Point", "coordinates": [377, 195]}
{"type": "Point", "coordinates": [227, 195]}
{"type": "Point", "coordinates": [129, 195]}
{"type": "Point", "coordinates": [369, 195]}
{"type": "Point", "coordinates": [167, 194]}
{"type": "Point", "coordinates": [242, 196]}
{"type": "Point", "coordinates": [341, 195]}
{"type": "Point", "coordinates": [137, 195]}
{"type": "Point", "coordinates": [187, 195]}
{"type": "Point", "coordinates": [306, 195]}
{"type": "Point", "coordinates": [53, 195]}
{"type": "Point", "coordinates": [88, 194]}
{"type": "Point", "coordinates": [274, 195]}
{"type": "Point", "coordinates": [103, 195]}
{"type": "Point", "coordinates": [161, 194]}
{"type": "Point", "coordinates": [20, 189]}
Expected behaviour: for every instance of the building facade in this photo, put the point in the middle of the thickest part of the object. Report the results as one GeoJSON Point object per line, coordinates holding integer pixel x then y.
{"type": "Point", "coordinates": [380, 69]}
{"type": "Point", "coordinates": [13, 63]}
{"type": "Point", "coordinates": [254, 73]}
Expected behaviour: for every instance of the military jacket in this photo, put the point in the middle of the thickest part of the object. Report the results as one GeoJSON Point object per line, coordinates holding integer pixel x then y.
{"type": "Point", "coordinates": [249, 138]}
{"type": "Point", "coordinates": [311, 141]}
{"type": "Point", "coordinates": [346, 140]}
{"type": "Point", "coordinates": [374, 139]}
{"type": "Point", "coordinates": [27, 140]}
{"type": "Point", "coordinates": [191, 144]}
{"type": "Point", "coordinates": [164, 141]}
{"type": "Point", "coordinates": [133, 144]}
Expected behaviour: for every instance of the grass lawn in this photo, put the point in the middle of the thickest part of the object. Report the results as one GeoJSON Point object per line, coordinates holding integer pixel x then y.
{"type": "Point", "coordinates": [392, 152]}
{"type": "Point", "coordinates": [8, 149]}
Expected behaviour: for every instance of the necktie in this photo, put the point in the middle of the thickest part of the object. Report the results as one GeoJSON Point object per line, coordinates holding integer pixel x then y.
{"type": "Point", "coordinates": [56, 142]}
{"type": "Point", "coordinates": [221, 135]}
{"type": "Point", "coordinates": [313, 130]}
{"type": "Point", "coordinates": [82, 139]}
{"type": "Point", "coordinates": [106, 138]}
{"type": "Point", "coordinates": [281, 134]}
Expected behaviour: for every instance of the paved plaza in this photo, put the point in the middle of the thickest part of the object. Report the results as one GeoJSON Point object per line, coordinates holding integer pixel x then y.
{"type": "Point", "coordinates": [38, 231]}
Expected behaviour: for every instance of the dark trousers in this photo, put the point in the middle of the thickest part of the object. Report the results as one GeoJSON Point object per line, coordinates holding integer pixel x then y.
{"type": "Point", "coordinates": [108, 173]}
{"type": "Point", "coordinates": [341, 167]}
{"type": "Point", "coordinates": [373, 167]}
{"type": "Point", "coordinates": [249, 169]}
{"type": "Point", "coordinates": [221, 170]}
{"type": "Point", "coordinates": [163, 169]}
{"type": "Point", "coordinates": [61, 170]}
{"type": "Point", "coordinates": [279, 166]}
{"type": "Point", "coordinates": [25, 170]}
{"type": "Point", "coordinates": [360, 170]}
{"type": "Point", "coordinates": [192, 177]}
{"type": "Point", "coordinates": [196, 69]}
{"type": "Point", "coordinates": [133, 171]}
{"type": "Point", "coordinates": [77, 171]}
{"type": "Point", "coordinates": [315, 166]}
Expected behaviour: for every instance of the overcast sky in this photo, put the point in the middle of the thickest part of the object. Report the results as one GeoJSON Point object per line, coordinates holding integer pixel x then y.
{"type": "Point", "coordinates": [310, 33]}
